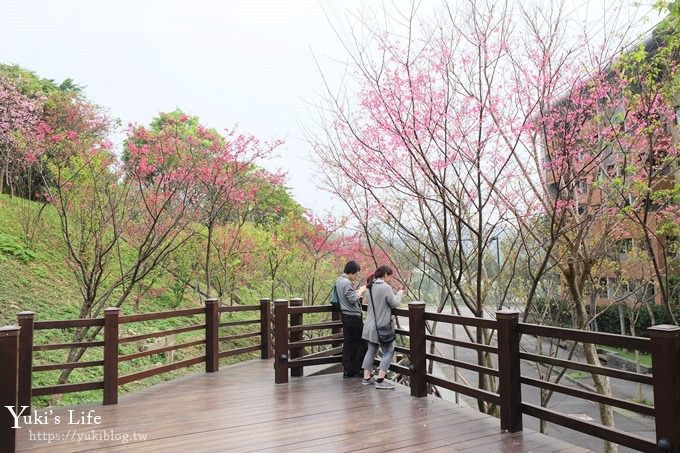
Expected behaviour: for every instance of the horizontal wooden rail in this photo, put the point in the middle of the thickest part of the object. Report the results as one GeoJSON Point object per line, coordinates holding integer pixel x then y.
{"type": "Point", "coordinates": [148, 352]}
{"type": "Point", "coordinates": [67, 366]}
{"type": "Point", "coordinates": [593, 369]}
{"type": "Point", "coordinates": [461, 320]}
{"type": "Point", "coordinates": [68, 323]}
{"type": "Point", "coordinates": [593, 429]}
{"type": "Point", "coordinates": [473, 392]}
{"type": "Point", "coordinates": [159, 370]}
{"type": "Point", "coordinates": [463, 364]}
{"type": "Point", "coordinates": [160, 315]}
{"type": "Point", "coordinates": [67, 388]}
{"type": "Point", "coordinates": [396, 311]}
{"type": "Point", "coordinates": [589, 396]}
{"type": "Point", "coordinates": [54, 346]}
{"type": "Point", "coordinates": [463, 344]}
{"type": "Point", "coordinates": [400, 369]}
{"type": "Point", "coordinates": [316, 326]}
{"type": "Point", "coordinates": [160, 333]}
{"type": "Point", "coordinates": [311, 309]}
{"type": "Point", "coordinates": [305, 361]}
{"type": "Point", "coordinates": [235, 308]}
{"type": "Point", "coordinates": [607, 339]}
{"type": "Point", "coordinates": [402, 350]}
{"type": "Point", "coordinates": [239, 351]}
{"type": "Point", "coordinates": [240, 336]}
{"type": "Point", "coordinates": [319, 341]}
{"type": "Point", "coordinates": [239, 323]}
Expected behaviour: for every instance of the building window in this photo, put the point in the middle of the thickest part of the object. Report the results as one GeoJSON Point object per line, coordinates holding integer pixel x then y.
{"type": "Point", "coordinates": [602, 288]}
{"type": "Point", "coordinates": [624, 246]}
{"type": "Point", "coordinates": [648, 296]}
{"type": "Point", "coordinates": [582, 185]}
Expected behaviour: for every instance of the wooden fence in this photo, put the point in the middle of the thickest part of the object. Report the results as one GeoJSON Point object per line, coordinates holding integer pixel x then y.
{"type": "Point", "coordinates": [297, 345]}
{"type": "Point", "coordinates": [17, 352]}
{"type": "Point", "coordinates": [663, 344]}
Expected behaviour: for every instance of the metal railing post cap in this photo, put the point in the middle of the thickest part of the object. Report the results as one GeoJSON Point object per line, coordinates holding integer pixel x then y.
{"type": "Point", "coordinates": [111, 310]}
{"type": "Point", "coordinates": [417, 304]}
{"type": "Point", "coordinates": [25, 314]}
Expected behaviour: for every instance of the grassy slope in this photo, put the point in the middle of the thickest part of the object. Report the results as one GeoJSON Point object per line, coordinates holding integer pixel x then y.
{"type": "Point", "coordinates": [36, 284]}
{"type": "Point", "coordinates": [44, 285]}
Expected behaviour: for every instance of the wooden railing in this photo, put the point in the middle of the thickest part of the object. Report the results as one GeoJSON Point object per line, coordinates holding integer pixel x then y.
{"type": "Point", "coordinates": [299, 344]}
{"type": "Point", "coordinates": [663, 344]}
{"type": "Point", "coordinates": [17, 352]}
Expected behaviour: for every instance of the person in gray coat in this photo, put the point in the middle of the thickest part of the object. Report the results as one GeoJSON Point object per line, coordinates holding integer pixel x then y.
{"type": "Point", "coordinates": [381, 300]}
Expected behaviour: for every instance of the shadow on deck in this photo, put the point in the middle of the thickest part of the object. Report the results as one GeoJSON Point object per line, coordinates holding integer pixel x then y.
{"type": "Point", "coordinates": [240, 409]}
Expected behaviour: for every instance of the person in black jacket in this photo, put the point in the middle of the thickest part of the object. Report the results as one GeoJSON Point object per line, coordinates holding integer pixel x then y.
{"type": "Point", "coordinates": [353, 347]}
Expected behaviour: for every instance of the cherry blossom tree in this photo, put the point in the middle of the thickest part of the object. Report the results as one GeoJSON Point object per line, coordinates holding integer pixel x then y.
{"type": "Point", "coordinates": [19, 117]}
{"type": "Point", "coordinates": [478, 126]}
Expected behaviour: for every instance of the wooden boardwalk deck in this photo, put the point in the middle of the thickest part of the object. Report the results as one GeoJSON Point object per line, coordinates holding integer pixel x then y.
{"type": "Point", "coordinates": [240, 409]}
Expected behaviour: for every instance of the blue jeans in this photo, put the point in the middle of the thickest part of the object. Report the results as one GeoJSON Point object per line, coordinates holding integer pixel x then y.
{"type": "Point", "coordinates": [387, 353]}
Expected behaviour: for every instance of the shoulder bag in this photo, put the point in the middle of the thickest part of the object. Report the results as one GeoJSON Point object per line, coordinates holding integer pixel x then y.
{"type": "Point", "coordinates": [386, 334]}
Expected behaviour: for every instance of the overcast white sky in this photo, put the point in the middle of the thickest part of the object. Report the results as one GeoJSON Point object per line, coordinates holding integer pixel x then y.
{"type": "Point", "coordinates": [229, 62]}
{"type": "Point", "coordinates": [240, 61]}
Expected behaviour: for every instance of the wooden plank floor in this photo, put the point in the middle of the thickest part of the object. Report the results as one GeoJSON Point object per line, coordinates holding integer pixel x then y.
{"type": "Point", "coordinates": [240, 409]}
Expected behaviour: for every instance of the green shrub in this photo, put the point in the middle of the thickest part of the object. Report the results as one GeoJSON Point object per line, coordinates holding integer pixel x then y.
{"type": "Point", "coordinates": [608, 319]}
{"type": "Point", "coordinates": [14, 246]}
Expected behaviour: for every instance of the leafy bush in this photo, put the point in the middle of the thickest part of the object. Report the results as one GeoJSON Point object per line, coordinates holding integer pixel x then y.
{"type": "Point", "coordinates": [608, 319]}
{"type": "Point", "coordinates": [14, 246]}
{"type": "Point", "coordinates": [551, 312]}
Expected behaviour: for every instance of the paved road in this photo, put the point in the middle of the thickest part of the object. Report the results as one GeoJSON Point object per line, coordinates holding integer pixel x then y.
{"type": "Point", "coordinates": [624, 420]}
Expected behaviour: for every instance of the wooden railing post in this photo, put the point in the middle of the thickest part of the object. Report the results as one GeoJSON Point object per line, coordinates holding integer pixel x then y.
{"type": "Point", "coordinates": [418, 368]}
{"type": "Point", "coordinates": [280, 341]}
{"type": "Point", "coordinates": [335, 316]}
{"type": "Point", "coordinates": [509, 386]}
{"type": "Point", "coordinates": [9, 364]}
{"type": "Point", "coordinates": [212, 327]}
{"type": "Point", "coordinates": [665, 341]}
{"type": "Point", "coordinates": [25, 320]}
{"type": "Point", "coordinates": [297, 352]}
{"type": "Point", "coordinates": [111, 355]}
{"type": "Point", "coordinates": [265, 329]}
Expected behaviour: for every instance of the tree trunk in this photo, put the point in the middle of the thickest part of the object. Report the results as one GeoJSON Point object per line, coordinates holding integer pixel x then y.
{"type": "Point", "coordinates": [622, 319]}
{"type": "Point", "coordinates": [207, 258]}
{"type": "Point", "coordinates": [601, 382]}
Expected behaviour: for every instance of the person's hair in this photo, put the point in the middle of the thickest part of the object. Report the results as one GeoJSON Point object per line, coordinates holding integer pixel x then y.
{"type": "Point", "coordinates": [352, 267]}
{"type": "Point", "coordinates": [379, 273]}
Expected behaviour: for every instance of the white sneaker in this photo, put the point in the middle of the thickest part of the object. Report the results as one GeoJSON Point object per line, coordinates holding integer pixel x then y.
{"type": "Point", "coordinates": [385, 384]}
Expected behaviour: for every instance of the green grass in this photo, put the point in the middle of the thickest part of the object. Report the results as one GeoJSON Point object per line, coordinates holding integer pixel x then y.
{"type": "Point", "coordinates": [578, 375]}
{"type": "Point", "coordinates": [36, 278]}
{"type": "Point", "coordinates": [645, 359]}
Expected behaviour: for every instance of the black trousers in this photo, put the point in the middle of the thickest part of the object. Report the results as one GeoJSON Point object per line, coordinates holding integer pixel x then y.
{"type": "Point", "coordinates": [354, 347]}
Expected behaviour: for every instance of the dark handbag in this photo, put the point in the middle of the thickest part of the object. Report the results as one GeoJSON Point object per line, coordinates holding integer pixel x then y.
{"type": "Point", "coordinates": [386, 334]}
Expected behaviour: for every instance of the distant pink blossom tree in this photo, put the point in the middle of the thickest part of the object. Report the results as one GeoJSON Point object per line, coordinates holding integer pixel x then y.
{"type": "Point", "coordinates": [19, 118]}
